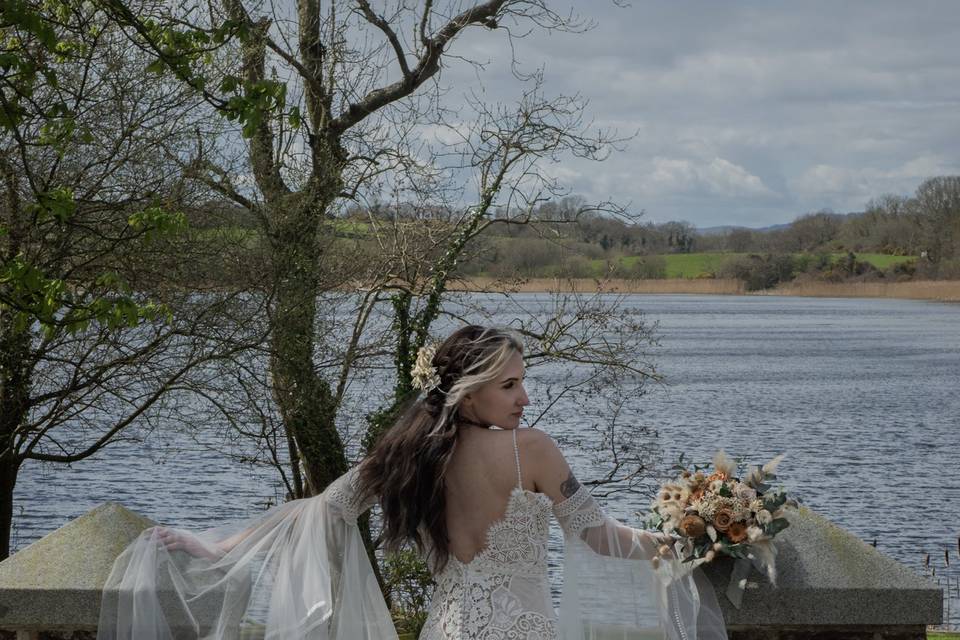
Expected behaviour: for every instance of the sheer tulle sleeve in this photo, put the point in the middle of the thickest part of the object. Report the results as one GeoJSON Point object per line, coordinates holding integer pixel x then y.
{"type": "Point", "coordinates": [613, 591]}
{"type": "Point", "coordinates": [298, 571]}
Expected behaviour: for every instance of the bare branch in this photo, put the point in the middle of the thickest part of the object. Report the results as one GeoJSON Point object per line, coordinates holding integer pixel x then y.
{"type": "Point", "coordinates": [427, 65]}
{"type": "Point", "coordinates": [384, 26]}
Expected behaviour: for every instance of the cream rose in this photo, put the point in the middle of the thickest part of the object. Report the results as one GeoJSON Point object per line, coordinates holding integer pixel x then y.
{"type": "Point", "coordinates": [744, 493]}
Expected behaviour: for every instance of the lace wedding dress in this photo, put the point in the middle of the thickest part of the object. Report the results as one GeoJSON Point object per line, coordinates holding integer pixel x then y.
{"type": "Point", "coordinates": [300, 572]}
{"type": "Point", "coordinates": [503, 591]}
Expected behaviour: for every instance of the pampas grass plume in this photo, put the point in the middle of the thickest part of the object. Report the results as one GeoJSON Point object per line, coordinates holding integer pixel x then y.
{"type": "Point", "coordinates": [771, 466]}
{"type": "Point", "coordinates": [722, 463]}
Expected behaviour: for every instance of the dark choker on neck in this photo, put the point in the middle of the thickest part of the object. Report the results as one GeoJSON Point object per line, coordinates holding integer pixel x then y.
{"type": "Point", "coordinates": [466, 422]}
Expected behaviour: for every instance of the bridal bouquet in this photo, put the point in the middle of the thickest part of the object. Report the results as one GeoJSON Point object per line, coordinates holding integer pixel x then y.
{"type": "Point", "coordinates": [711, 511]}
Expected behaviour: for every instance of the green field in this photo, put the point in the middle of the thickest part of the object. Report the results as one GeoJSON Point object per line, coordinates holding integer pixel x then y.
{"type": "Point", "coordinates": [881, 260]}
{"type": "Point", "coordinates": [693, 265]}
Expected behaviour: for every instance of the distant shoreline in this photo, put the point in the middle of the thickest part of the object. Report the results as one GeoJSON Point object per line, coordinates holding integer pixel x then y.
{"type": "Point", "coordinates": [934, 290]}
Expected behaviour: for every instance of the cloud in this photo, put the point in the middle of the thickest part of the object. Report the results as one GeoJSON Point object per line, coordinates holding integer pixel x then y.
{"type": "Point", "coordinates": [715, 177]}
{"type": "Point", "coordinates": [854, 186]}
{"type": "Point", "coordinates": [750, 112]}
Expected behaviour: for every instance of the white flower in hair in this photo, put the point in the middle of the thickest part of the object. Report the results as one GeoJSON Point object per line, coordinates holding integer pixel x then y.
{"type": "Point", "coordinates": [424, 375]}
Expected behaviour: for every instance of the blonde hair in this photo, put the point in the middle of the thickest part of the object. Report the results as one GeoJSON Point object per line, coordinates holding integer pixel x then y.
{"type": "Point", "coordinates": [492, 349]}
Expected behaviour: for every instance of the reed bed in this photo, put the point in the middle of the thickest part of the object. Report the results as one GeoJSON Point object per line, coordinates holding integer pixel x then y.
{"type": "Point", "coordinates": [940, 290]}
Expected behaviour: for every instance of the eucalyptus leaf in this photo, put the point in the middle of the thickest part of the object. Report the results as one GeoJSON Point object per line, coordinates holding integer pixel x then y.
{"type": "Point", "coordinates": [776, 526]}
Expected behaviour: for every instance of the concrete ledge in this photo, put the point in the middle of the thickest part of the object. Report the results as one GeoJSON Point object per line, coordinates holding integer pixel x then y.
{"type": "Point", "coordinates": [57, 581]}
{"type": "Point", "coordinates": [831, 585]}
{"type": "Point", "coordinates": [831, 633]}
{"type": "Point", "coordinates": [828, 578]}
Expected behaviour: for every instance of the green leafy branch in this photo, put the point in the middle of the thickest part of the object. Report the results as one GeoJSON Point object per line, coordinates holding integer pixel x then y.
{"type": "Point", "coordinates": [185, 53]}
{"type": "Point", "coordinates": [31, 295]}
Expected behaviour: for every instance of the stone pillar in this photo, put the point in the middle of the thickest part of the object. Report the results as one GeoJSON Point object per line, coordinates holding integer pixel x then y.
{"type": "Point", "coordinates": [830, 585]}
{"type": "Point", "coordinates": [52, 588]}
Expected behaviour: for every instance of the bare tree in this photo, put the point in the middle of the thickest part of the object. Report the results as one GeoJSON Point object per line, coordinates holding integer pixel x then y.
{"type": "Point", "coordinates": [405, 264]}
{"type": "Point", "coordinates": [325, 100]}
{"type": "Point", "coordinates": [937, 212]}
{"type": "Point", "coordinates": [96, 332]}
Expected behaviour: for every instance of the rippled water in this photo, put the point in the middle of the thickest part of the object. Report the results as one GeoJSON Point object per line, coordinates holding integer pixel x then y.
{"type": "Point", "coordinates": [862, 395]}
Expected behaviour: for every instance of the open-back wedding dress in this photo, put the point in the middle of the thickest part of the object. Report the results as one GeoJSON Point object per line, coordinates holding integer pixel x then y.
{"type": "Point", "coordinates": [300, 571]}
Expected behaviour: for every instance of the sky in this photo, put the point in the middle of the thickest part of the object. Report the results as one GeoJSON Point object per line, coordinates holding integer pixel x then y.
{"type": "Point", "coordinates": [748, 113]}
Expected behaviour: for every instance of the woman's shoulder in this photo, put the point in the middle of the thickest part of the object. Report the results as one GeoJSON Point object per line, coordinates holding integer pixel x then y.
{"type": "Point", "coordinates": [546, 464]}
{"type": "Point", "coordinates": [540, 447]}
{"type": "Point", "coordinates": [535, 437]}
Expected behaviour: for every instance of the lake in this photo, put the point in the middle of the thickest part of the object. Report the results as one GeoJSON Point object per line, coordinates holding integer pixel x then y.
{"type": "Point", "coordinates": [862, 395]}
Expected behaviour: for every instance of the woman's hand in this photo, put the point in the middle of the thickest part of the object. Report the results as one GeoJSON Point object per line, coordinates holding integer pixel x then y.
{"type": "Point", "coordinates": [664, 545]}
{"type": "Point", "coordinates": [179, 540]}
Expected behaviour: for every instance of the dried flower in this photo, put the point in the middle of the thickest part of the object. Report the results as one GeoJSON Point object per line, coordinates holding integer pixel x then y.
{"type": "Point", "coordinates": [744, 493]}
{"type": "Point", "coordinates": [692, 526]}
{"type": "Point", "coordinates": [724, 464]}
{"type": "Point", "coordinates": [424, 375]}
{"type": "Point", "coordinates": [771, 466]}
{"type": "Point", "coordinates": [722, 519]}
{"type": "Point", "coordinates": [691, 505]}
{"type": "Point", "coordinates": [671, 515]}
{"type": "Point", "coordinates": [737, 532]}
{"type": "Point", "coordinates": [713, 477]}
{"type": "Point", "coordinates": [672, 496]}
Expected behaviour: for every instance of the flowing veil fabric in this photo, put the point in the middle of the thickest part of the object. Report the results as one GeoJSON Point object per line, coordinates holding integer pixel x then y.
{"type": "Point", "coordinates": [300, 572]}
{"type": "Point", "coordinates": [612, 591]}
{"type": "Point", "coordinates": [297, 572]}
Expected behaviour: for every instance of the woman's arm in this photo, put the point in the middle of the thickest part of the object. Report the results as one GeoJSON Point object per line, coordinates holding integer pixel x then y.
{"type": "Point", "coordinates": [341, 497]}
{"type": "Point", "coordinates": [578, 512]}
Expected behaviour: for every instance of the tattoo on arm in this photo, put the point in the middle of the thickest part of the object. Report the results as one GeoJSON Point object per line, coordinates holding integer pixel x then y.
{"type": "Point", "coordinates": [569, 486]}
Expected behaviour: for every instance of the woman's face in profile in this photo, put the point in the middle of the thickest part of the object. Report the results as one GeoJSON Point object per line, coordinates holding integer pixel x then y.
{"type": "Point", "coordinates": [501, 401]}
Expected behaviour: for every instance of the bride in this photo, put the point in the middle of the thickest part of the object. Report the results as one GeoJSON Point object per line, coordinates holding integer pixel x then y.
{"type": "Point", "coordinates": [457, 478]}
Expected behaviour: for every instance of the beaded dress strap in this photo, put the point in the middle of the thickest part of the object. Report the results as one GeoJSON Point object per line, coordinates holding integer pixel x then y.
{"type": "Point", "coordinates": [516, 451]}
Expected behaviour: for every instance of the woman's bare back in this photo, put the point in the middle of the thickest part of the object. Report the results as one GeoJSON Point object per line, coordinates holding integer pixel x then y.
{"type": "Point", "coordinates": [480, 479]}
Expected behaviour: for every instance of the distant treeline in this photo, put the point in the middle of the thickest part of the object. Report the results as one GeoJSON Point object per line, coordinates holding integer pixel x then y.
{"type": "Point", "coordinates": [926, 225]}
{"type": "Point", "coordinates": [564, 238]}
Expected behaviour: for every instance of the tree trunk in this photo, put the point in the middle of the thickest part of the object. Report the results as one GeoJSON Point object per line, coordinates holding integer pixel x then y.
{"type": "Point", "coordinates": [8, 480]}
{"type": "Point", "coordinates": [305, 400]}
{"type": "Point", "coordinates": [14, 403]}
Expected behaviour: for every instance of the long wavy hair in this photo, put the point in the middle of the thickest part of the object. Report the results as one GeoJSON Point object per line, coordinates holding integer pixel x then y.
{"type": "Point", "coordinates": [407, 466]}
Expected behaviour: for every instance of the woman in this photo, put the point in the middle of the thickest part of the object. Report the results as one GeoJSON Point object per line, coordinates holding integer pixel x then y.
{"type": "Point", "coordinates": [456, 477]}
